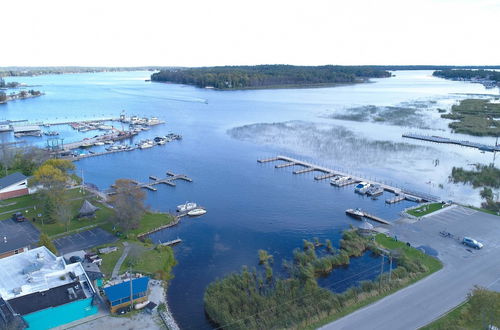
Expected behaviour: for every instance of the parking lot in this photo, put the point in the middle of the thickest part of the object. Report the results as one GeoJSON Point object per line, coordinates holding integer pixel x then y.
{"type": "Point", "coordinates": [84, 240]}
{"type": "Point", "coordinates": [463, 268]}
{"type": "Point", "coordinates": [24, 233]}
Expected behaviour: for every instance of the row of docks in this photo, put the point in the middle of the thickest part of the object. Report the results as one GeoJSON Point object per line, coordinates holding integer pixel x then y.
{"type": "Point", "coordinates": [169, 180]}
{"type": "Point", "coordinates": [439, 139]}
{"type": "Point", "coordinates": [341, 179]}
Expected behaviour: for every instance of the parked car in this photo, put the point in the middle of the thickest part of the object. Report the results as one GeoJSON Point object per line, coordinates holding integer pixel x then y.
{"type": "Point", "coordinates": [472, 243]}
{"type": "Point", "coordinates": [18, 216]}
{"type": "Point", "coordinates": [74, 259]}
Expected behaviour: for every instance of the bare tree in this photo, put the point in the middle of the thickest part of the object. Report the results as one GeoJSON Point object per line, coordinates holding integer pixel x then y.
{"type": "Point", "coordinates": [128, 202]}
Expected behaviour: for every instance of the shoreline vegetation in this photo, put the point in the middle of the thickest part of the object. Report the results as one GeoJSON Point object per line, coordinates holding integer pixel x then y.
{"type": "Point", "coordinates": [488, 78]}
{"type": "Point", "coordinates": [296, 301]}
{"type": "Point", "coordinates": [475, 117]}
{"type": "Point", "coordinates": [268, 76]}
{"type": "Point", "coordinates": [22, 95]}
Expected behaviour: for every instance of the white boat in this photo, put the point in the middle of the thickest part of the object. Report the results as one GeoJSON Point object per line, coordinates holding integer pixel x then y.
{"type": "Point", "coordinates": [105, 127]}
{"type": "Point", "coordinates": [196, 212]}
{"type": "Point", "coordinates": [357, 213]}
{"type": "Point", "coordinates": [186, 207]}
{"type": "Point", "coordinates": [100, 143]}
{"type": "Point", "coordinates": [362, 188]}
{"type": "Point", "coordinates": [146, 144]}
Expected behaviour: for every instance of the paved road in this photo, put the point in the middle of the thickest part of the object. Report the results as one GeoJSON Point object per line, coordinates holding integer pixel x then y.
{"type": "Point", "coordinates": [426, 300]}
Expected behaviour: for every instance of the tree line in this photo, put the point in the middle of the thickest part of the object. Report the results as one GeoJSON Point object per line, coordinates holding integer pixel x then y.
{"type": "Point", "coordinates": [463, 74]}
{"type": "Point", "coordinates": [261, 76]}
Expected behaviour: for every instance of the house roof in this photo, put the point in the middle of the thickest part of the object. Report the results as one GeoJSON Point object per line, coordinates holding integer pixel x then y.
{"type": "Point", "coordinates": [51, 298]}
{"type": "Point", "coordinates": [122, 290]}
{"type": "Point", "coordinates": [11, 179]}
{"type": "Point", "coordinates": [36, 270]}
{"type": "Point", "coordinates": [15, 235]}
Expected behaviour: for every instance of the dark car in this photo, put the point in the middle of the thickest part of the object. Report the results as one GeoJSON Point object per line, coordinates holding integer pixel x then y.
{"type": "Point", "coordinates": [18, 216]}
{"type": "Point", "coordinates": [123, 310]}
{"type": "Point", "coordinates": [74, 259]}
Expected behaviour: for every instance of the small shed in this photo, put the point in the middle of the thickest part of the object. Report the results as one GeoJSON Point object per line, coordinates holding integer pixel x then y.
{"type": "Point", "coordinates": [119, 295]}
{"type": "Point", "coordinates": [87, 210]}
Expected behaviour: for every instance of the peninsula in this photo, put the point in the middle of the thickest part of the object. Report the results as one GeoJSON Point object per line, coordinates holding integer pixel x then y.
{"type": "Point", "coordinates": [269, 76]}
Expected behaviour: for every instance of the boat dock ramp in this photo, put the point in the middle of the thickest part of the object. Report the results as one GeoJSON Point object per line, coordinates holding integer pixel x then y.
{"type": "Point", "coordinates": [327, 173]}
{"type": "Point", "coordinates": [439, 139]}
{"type": "Point", "coordinates": [375, 218]}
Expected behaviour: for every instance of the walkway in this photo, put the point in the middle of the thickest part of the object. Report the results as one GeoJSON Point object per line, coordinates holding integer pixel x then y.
{"type": "Point", "coordinates": [121, 260]}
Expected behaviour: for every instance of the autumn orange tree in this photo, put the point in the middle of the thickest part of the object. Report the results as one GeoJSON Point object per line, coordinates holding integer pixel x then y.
{"type": "Point", "coordinates": [51, 179]}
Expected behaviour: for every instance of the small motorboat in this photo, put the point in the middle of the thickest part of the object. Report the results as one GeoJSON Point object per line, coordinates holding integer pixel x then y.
{"type": "Point", "coordinates": [357, 213]}
{"type": "Point", "coordinates": [100, 143]}
{"type": "Point", "coordinates": [186, 207]}
{"type": "Point", "coordinates": [196, 212]}
{"type": "Point", "coordinates": [362, 188]}
{"type": "Point", "coordinates": [375, 190]}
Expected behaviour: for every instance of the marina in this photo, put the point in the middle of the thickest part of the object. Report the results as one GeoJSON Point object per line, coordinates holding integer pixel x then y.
{"type": "Point", "coordinates": [439, 139]}
{"type": "Point", "coordinates": [347, 179]}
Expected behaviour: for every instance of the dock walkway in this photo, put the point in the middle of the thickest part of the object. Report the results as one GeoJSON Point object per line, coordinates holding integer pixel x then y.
{"type": "Point", "coordinates": [439, 139]}
{"type": "Point", "coordinates": [327, 173]}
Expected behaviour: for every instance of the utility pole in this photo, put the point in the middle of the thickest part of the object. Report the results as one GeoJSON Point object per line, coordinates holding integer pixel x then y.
{"type": "Point", "coordinates": [390, 268]}
{"type": "Point", "coordinates": [131, 289]}
{"type": "Point", "coordinates": [381, 272]}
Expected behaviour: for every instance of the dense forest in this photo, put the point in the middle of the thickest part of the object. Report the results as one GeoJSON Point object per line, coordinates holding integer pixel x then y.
{"type": "Point", "coordinates": [26, 71]}
{"type": "Point", "coordinates": [262, 76]}
{"type": "Point", "coordinates": [462, 74]}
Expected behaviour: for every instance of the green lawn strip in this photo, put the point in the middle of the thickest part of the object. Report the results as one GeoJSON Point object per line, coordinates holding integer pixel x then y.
{"type": "Point", "coordinates": [425, 209]}
{"type": "Point", "coordinates": [481, 209]}
{"type": "Point", "coordinates": [109, 260]}
{"type": "Point", "coordinates": [448, 320]}
{"type": "Point", "coordinates": [154, 261]}
{"type": "Point", "coordinates": [151, 221]}
{"type": "Point", "coordinates": [388, 243]}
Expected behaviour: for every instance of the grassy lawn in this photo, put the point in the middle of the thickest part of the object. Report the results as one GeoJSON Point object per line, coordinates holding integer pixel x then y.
{"type": "Point", "coordinates": [388, 243]}
{"type": "Point", "coordinates": [155, 261]}
{"type": "Point", "coordinates": [425, 209]}
{"type": "Point", "coordinates": [482, 210]}
{"type": "Point", "coordinates": [109, 260]}
{"type": "Point", "coordinates": [446, 321]}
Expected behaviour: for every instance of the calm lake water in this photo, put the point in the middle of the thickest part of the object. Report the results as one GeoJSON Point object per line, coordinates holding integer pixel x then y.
{"type": "Point", "coordinates": [254, 206]}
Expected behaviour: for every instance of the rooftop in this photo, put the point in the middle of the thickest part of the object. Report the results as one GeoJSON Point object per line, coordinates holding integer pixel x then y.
{"type": "Point", "coordinates": [122, 290]}
{"type": "Point", "coordinates": [11, 179]}
{"type": "Point", "coordinates": [15, 235]}
{"type": "Point", "coordinates": [35, 271]}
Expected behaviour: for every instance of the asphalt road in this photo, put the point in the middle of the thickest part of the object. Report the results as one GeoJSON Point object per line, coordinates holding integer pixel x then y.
{"type": "Point", "coordinates": [428, 299]}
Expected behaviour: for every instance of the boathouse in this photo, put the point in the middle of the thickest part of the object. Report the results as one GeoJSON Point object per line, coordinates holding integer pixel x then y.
{"type": "Point", "coordinates": [13, 185]}
{"type": "Point", "coordinates": [119, 295]}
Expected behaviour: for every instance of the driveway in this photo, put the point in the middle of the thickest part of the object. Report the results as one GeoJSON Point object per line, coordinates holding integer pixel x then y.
{"type": "Point", "coordinates": [428, 299]}
{"type": "Point", "coordinates": [84, 240]}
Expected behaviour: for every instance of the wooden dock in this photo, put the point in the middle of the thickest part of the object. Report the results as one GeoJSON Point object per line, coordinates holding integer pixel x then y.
{"type": "Point", "coordinates": [375, 218]}
{"type": "Point", "coordinates": [169, 180]}
{"type": "Point", "coordinates": [396, 199]}
{"type": "Point", "coordinates": [172, 242]}
{"type": "Point", "coordinates": [95, 154]}
{"type": "Point", "coordinates": [328, 173]}
{"type": "Point", "coordinates": [439, 139]}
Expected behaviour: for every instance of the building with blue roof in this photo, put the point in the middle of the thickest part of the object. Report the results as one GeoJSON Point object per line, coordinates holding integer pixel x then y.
{"type": "Point", "coordinates": [118, 295]}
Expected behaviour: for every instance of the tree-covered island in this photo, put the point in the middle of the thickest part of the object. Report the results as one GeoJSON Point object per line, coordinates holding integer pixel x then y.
{"type": "Point", "coordinates": [269, 76]}
{"type": "Point", "coordinates": [489, 78]}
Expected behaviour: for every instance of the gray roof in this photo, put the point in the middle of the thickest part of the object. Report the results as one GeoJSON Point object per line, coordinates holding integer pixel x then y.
{"type": "Point", "coordinates": [11, 179]}
{"type": "Point", "coordinates": [87, 208]}
{"type": "Point", "coordinates": [15, 235]}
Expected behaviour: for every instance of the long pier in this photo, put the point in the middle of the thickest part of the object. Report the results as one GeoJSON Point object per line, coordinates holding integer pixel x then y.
{"type": "Point", "coordinates": [439, 139]}
{"type": "Point", "coordinates": [375, 218]}
{"type": "Point", "coordinates": [327, 173]}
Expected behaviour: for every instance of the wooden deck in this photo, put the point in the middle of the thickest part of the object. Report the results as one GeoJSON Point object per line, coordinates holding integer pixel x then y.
{"type": "Point", "coordinates": [328, 173]}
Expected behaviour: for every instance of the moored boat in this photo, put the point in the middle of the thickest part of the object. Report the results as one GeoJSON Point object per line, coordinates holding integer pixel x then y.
{"type": "Point", "coordinates": [196, 212]}
{"type": "Point", "coordinates": [186, 207]}
{"type": "Point", "coordinates": [355, 213]}
{"type": "Point", "coordinates": [362, 188]}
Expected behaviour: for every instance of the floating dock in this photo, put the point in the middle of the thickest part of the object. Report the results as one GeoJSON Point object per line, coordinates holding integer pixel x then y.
{"type": "Point", "coordinates": [169, 180]}
{"type": "Point", "coordinates": [172, 242]}
{"type": "Point", "coordinates": [439, 139]}
{"type": "Point", "coordinates": [327, 173]}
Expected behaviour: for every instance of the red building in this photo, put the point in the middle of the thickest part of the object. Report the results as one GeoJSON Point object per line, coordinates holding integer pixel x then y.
{"type": "Point", "coordinates": [13, 185]}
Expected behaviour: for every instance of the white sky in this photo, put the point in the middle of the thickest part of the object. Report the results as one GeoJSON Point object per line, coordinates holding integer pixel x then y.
{"type": "Point", "coordinates": [231, 32]}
